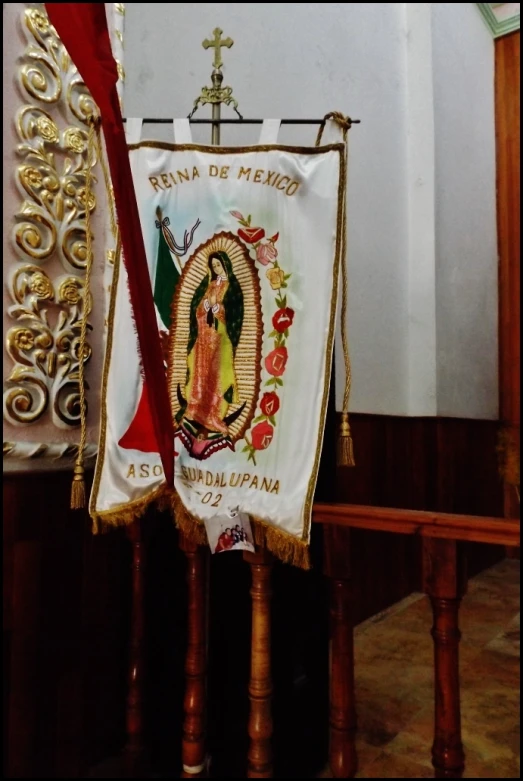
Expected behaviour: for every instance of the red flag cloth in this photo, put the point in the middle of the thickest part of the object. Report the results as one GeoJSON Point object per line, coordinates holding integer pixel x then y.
{"type": "Point", "coordinates": [82, 28]}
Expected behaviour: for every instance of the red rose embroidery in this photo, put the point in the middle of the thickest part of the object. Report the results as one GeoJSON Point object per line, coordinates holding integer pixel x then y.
{"type": "Point", "coordinates": [282, 319]}
{"type": "Point", "coordinates": [276, 361]}
{"type": "Point", "coordinates": [270, 404]}
{"type": "Point", "coordinates": [251, 235]}
{"type": "Point", "coordinates": [262, 435]}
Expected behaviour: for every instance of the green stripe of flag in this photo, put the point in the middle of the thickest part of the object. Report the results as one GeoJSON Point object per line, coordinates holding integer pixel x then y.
{"type": "Point", "coordinates": [165, 282]}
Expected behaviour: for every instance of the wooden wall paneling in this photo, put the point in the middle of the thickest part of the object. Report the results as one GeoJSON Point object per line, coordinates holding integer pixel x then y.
{"type": "Point", "coordinates": [440, 464]}
{"type": "Point", "coordinates": [106, 618]}
{"type": "Point", "coordinates": [166, 600]}
{"type": "Point", "coordinates": [508, 152]}
{"type": "Point", "coordinates": [134, 751]}
{"type": "Point", "coordinates": [63, 702]}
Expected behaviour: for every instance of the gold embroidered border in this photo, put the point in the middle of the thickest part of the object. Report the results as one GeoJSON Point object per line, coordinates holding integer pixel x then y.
{"type": "Point", "coordinates": [105, 374]}
{"type": "Point", "coordinates": [330, 345]}
{"type": "Point", "coordinates": [229, 150]}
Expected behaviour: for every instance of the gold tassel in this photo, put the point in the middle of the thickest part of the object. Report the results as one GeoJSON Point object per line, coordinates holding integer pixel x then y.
{"type": "Point", "coordinates": [78, 488]}
{"type": "Point", "coordinates": [344, 445]}
{"type": "Point", "coordinates": [78, 493]}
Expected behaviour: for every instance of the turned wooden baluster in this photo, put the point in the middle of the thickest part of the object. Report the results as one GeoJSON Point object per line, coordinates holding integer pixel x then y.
{"type": "Point", "coordinates": [134, 749]}
{"type": "Point", "coordinates": [193, 741]}
{"type": "Point", "coordinates": [444, 582]}
{"type": "Point", "coordinates": [260, 683]}
{"type": "Point", "coordinates": [343, 759]}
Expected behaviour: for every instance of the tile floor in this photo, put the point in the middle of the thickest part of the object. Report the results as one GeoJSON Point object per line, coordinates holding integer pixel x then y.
{"type": "Point", "coordinates": [394, 678]}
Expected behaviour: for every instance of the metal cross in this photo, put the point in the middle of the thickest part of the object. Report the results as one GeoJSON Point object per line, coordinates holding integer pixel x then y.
{"type": "Point", "coordinates": [217, 44]}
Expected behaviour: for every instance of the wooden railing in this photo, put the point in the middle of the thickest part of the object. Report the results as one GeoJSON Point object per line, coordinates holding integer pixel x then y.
{"type": "Point", "coordinates": [466, 528]}
{"type": "Point", "coordinates": [444, 581]}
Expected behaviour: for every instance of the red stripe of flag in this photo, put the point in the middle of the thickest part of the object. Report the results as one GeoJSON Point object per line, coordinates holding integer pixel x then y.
{"type": "Point", "coordinates": [82, 28]}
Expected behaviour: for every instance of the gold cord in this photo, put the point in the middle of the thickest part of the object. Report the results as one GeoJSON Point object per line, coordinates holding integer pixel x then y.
{"type": "Point", "coordinates": [78, 498]}
{"type": "Point", "coordinates": [345, 448]}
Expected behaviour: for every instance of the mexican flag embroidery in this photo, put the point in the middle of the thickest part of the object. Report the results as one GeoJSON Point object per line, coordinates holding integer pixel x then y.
{"type": "Point", "coordinates": [244, 247]}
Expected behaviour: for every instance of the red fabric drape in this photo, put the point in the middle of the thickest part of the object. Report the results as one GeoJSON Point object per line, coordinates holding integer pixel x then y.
{"type": "Point", "coordinates": [82, 27]}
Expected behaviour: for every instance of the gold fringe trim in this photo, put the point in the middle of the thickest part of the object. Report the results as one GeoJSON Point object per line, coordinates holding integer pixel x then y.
{"type": "Point", "coordinates": [284, 546]}
{"type": "Point", "coordinates": [126, 514]}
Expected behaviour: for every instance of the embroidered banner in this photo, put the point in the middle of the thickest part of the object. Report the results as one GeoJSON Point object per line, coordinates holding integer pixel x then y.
{"type": "Point", "coordinates": [244, 248]}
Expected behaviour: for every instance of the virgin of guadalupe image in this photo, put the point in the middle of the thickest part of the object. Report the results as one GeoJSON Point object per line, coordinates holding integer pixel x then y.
{"type": "Point", "coordinates": [216, 319]}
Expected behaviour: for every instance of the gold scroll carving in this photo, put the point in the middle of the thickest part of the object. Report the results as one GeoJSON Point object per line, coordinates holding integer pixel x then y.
{"type": "Point", "coordinates": [49, 224]}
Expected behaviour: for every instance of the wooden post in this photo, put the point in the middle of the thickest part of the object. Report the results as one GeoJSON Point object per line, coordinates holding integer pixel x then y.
{"type": "Point", "coordinates": [260, 683]}
{"type": "Point", "coordinates": [508, 161]}
{"type": "Point", "coordinates": [134, 749]}
{"type": "Point", "coordinates": [444, 582]}
{"type": "Point", "coordinates": [193, 740]}
{"type": "Point", "coordinates": [343, 759]}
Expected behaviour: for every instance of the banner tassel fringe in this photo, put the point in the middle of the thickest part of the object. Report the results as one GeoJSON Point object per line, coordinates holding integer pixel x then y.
{"type": "Point", "coordinates": [128, 513]}
{"type": "Point", "coordinates": [284, 546]}
{"type": "Point", "coordinates": [344, 445]}
{"type": "Point", "coordinates": [78, 488]}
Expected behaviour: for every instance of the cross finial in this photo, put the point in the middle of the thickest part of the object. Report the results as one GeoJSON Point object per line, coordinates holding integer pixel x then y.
{"type": "Point", "coordinates": [217, 44]}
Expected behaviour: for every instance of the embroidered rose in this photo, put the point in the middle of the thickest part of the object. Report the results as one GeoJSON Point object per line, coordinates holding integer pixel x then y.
{"type": "Point", "coordinates": [282, 319]}
{"type": "Point", "coordinates": [24, 339]}
{"type": "Point", "coordinates": [276, 277]}
{"type": "Point", "coordinates": [276, 361]}
{"type": "Point", "coordinates": [262, 435]}
{"type": "Point", "coordinates": [41, 286]}
{"type": "Point", "coordinates": [47, 129]}
{"type": "Point", "coordinates": [238, 216]}
{"type": "Point", "coordinates": [251, 235]}
{"type": "Point", "coordinates": [270, 404]}
{"type": "Point", "coordinates": [266, 253]}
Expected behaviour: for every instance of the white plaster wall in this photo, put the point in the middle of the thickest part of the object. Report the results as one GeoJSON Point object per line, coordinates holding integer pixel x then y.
{"type": "Point", "coordinates": [466, 242]}
{"type": "Point", "coordinates": [303, 60]}
{"type": "Point", "coordinates": [422, 232]}
{"type": "Point", "coordinates": [420, 185]}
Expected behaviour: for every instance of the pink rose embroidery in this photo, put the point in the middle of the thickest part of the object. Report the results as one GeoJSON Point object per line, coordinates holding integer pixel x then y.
{"type": "Point", "coordinates": [266, 253]}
